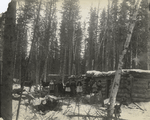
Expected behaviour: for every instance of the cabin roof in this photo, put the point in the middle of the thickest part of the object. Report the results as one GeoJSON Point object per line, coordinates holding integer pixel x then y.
{"type": "Point", "coordinates": [55, 75]}
{"type": "Point", "coordinates": [94, 73]}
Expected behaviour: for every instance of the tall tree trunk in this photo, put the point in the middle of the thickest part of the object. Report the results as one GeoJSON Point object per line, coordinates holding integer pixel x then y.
{"type": "Point", "coordinates": [70, 55]}
{"type": "Point", "coordinates": [45, 68]}
{"type": "Point", "coordinates": [103, 57]}
{"type": "Point", "coordinates": [8, 62]}
{"type": "Point", "coordinates": [37, 64]}
{"type": "Point", "coordinates": [64, 66]}
{"type": "Point", "coordinates": [74, 53]}
{"type": "Point", "coordinates": [96, 41]}
{"type": "Point", "coordinates": [108, 39]}
{"type": "Point", "coordinates": [1, 53]}
{"type": "Point", "coordinates": [116, 82]}
{"type": "Point", "coordinates": [114, 54]}
{"type": "Point", "coordinates": [35, 35]}
{"type": "Point", "coordinates": [131, 56]}
{"type": "Point", "coordinates": [37, 45]}
{"type": "Point", "coordinates": [148, 41]}
{"type": "Point", "coordinates": [47, 38]}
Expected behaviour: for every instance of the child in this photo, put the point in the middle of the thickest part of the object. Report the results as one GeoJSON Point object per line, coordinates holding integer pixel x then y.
{"type": "Point", "coordinates": [67, 89]}
{"type": "Point", "coordinates": [94, 88]}
{"type": "Point", "coordinates": [51, 86]}
{"type": "Point", "coordinates": [79, 87]}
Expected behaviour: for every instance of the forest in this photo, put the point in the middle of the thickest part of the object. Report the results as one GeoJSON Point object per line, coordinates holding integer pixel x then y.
{"type": "Point", "coordinates": [41, 46]}
{"type": "Point", "coordinates": [39, 43]}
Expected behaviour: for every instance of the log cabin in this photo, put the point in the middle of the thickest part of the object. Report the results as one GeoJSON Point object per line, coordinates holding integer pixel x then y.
{"type": "Point", "coordinates": [134, 84]}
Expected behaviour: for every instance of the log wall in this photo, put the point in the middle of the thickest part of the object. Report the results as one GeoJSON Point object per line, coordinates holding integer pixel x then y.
{"type": "Point", "coordinates": [104, 86]}
{"type": "Point", "coordinates": [141, 90]}
{"type": "Point", "coordinates": [135, 88]}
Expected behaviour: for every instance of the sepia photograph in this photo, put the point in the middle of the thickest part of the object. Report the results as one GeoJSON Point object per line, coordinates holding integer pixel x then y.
{"type": "Point", "coordinates": [75, 60]}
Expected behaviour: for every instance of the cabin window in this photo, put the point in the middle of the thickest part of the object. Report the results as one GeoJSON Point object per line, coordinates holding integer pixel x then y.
{"type": "Point", "coordinates": [148, 85]}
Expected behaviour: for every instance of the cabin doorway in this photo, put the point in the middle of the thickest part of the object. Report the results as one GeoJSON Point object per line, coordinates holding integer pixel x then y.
{"type": "Point", "coordinates": [108, 88]}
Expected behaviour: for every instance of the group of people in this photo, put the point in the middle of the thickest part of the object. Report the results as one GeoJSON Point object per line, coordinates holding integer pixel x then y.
{"type": "Point", "coordinates": [74, 87]}
{"type": "Point", "coordinates": [95, 86]}
{"type": "Point", "coordinates": [70, 88]}
{"type": "Point", "coordinates": [55, 87]}
{"type": "Point", "coordinates": [78, 87]}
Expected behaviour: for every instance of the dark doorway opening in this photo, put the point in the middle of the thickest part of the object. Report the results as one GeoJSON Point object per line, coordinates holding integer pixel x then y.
{"type": "Point", "coordinates": [108, 88]}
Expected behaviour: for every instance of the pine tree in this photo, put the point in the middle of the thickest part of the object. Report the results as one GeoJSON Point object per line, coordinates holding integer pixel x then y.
{"type": "Point", "coordinates": [49, 41]}
{"type": "Point", "coordinates": [92, 40]}
{"type": "Point", "coordinates": [70, 16]}
{"type": "Point", "coordinates": [102, 37]}
{"type": "Point", "coordinates": [114, 13]}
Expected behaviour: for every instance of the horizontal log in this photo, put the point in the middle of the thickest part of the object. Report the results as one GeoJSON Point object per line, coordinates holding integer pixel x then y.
{"type": "Point", "coordinates": [103, 89]}
{"type": "Point", "coordinates": [139, 86]}
{"type": "Point", "coordinates": [104, 85]}
{"type": "Point", "coordinates": [139, 81]}
{"type": "Point", "coordinates": [142, 91]}
{"type": "Point", "coordinates": [146, 76]}
{"type": "Point", "coordinates": [122, 87]}
{"type": "Point", "coordinates": [124, 80]}
{"type": "Point", "coordinates": [147, 94]}
{"type": "Point", "coordinates": [119, 99]}
{"type": "Point", "coordinates": [123, 95]}
{"type": "Point", "coordinates": [123, 90]}
{"type": "Point", "coordinates": [136, 99]}
{"type": "Point", "coordinates": [140, 95]}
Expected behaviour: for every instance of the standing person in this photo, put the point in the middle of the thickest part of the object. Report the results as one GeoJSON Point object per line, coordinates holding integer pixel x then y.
{"type": "Point", "coordinates": [99, 86]}
{"type": "Point", "coordinates": [94, 88]}
{"type": "Point", "coordinates": [51, 86]}
{"type": "Point", "coordinates": [73, 88]}
{"type": "Point", "coordinates": [56, 88]}
{"type": "Point", "coordinates": [90, 83]}
{"type": "Point", "coordinates": [67, 89]}
{"type": "Point", "coordinates": [60, 88]}
{"type": "Point", "coordinates": [79, 88]}
{"type": "Point", "coordinates": [100, 96]}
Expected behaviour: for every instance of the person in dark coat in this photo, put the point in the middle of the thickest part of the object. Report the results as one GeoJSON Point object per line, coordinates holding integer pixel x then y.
{"type": "Point", "coordinates": [73, 88]}
{"type": "Point", "coordinates": [51, 86]}
{"type": "Point", "coordinates": [94, 87]}
{"type": "Point", "coordinates": [99, 86]}
{"type": "Point", "coordinates": [99, 92]}
{"type": "Point", "coordinates": [60, 88]}
{"type": "Point", "coordinates": [90, 84]}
